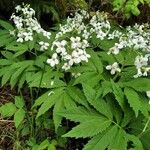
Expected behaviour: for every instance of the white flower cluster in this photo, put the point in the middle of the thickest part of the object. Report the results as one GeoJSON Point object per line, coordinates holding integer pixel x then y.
{"type": "Point", "coordinates": [113, 68]}
{"type": "Point", "coordinates": [137, 38]}
{"type": "Point", "coordinates": [72, 40]}
{"type": "Point", "coordinates": [141, 64]}
{"type": "Point", "coordinates": [75, 56]}
{"type": "Point", "coordinates": [26, 24]}
{"type": "Point", "coordinates": [100, 25]}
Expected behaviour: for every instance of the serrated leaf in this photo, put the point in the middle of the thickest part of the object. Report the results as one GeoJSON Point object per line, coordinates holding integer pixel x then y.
{"type": "Point", "coordinates": [59, 106]}
{"type": "Point", "coordinates": [119, 95]}
{"type": "Point", "coordinates": [19, 117]}
{"type": "Point", "coordinates": [133, 99]}
{"type": "Point", "coordinates": [119, 141]}
{"type": "Point", "coordinates": [50, 100]}
{"type": "Point", "coordinates": [101, 141]}
{"type": "Point", "coordinates": [80, 114]}
{"type": "Point", "coordinates": [140, 84]}
{"type": "Point", "coordinates": [98, 104]}
{"type": "Point", "coordinates": [84, 129]}
{"type": "Point", "coordinates": [15, 77]}
{"type": "Point", "coordinates": [77, 95]}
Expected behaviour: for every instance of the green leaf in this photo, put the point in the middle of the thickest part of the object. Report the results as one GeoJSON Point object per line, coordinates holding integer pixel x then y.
{"type": "Point", "coordinates": [98, 104]}
{"type": "Point", "coordinates": [77, 95]}
{"type": "Point", "coordinates": [119, 141]}
{"type": "Point", "coordinates": [119, 95]}
{"type": "Point", "coordinates": [19, 117]}
{"type": "Point", "coordinates": [43, 145]}
{"type": "Point", "coordinates": [136, 142]}
{"type": "Point", "coordinates": [133, 99]}
{"type": "Point", "coordinates": [6, 25]}
{"type": "Point", "coordinates": [140, 84]}
{"type": "Point", "coordinates": [19, 102]}
{"type": "Point", "coordinates": [50, 100]}
{"type": "Point", "coordinates": [7, 74]}
{"type": "Point", "coordinates": [8, 110]}
{"type": "Point", "coordinates": [96, 61]}
{"type": "Point", "coordinates": [5, 62]}
{"type": "Point", "coordinates": [89, 128]}
{"type": "Point", "coordinates": [101, 141]}
{"type": "Point", "coordinates": [80, 114]}
{"type": "Point", "coordinates": [59, 105]}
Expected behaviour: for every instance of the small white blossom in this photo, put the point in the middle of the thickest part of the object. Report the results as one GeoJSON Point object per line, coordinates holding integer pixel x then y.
{"type": "Point", "coordinates": [44, 45]}
{"type": "Point", "coordinates": [53, 61]}
{"type": "Point", "coordinates": [76, 42]}
{"type": "Point", "coordinates": [113, 68]}
{"type": "Point", "coordinates": [141, 61]}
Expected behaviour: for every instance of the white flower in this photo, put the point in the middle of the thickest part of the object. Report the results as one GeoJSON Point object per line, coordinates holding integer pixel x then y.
{"type": "Point", "coordinates": [76, 74]}
{"type": "Point", "coordinates": [66, 66]}
{"type": "Point", "coordinates": [61, 46]}
{"type": "Point", "coordinates": [76, 42]}
{"type": "Point", "coordinates": [113, 50]}
{"type": "Point", "coordinates": [148, 94]}
{"type": "Point", "coordinates": [141, 61]}
{"type": "Point", "coordinates": [28, 36]}
{"type": "Point", "coordinates": [44, 45]}
{"type": "Point", "coordinates": [113, 68]}
{"type": "Point", "coordinates": [53, 61]}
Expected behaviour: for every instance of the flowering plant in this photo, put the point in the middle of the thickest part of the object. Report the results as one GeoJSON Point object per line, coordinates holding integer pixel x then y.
{"type": "Point", "coordinates": [95, 72]}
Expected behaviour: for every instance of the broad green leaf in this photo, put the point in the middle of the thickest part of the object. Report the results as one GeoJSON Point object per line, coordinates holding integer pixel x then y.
{"type": "Point", "coordinates": [8, 110]}
{"type": "Point", "coordinates": [19, 117]}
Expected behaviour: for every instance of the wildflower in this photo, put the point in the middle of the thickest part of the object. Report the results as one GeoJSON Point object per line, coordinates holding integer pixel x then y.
{"type": "Point", "coordinates": [53, 61]}
{"type": "Point", "coordinates": [113, 68]}
{"type": "Point", "coordinates": [141, 61]}
{"type": "Point", "coordinates": [44, 45]}
{"type": "Point", "coordinates": [76, 42]}
{"type": "Point", "coordinates": [61, 46]}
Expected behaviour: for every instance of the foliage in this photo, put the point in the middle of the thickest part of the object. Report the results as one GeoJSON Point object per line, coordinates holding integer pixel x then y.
{"type": "Point", "coordinates": [129, 7]}
{"type": "Point", "coordinates": [87, 70]}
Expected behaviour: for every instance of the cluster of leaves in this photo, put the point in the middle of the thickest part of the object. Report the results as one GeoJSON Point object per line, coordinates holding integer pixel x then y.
{"type": "Point", "coordinates": [111, 111]}
{"type": "Point", "coordinates": [129, 7]}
